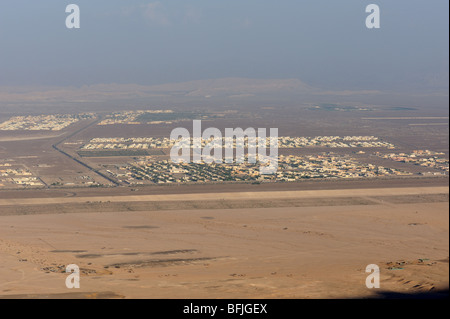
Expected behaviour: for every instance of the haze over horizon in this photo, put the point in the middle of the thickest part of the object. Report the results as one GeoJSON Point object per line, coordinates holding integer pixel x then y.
{"type": "Point", "coordinates": [325, 45]}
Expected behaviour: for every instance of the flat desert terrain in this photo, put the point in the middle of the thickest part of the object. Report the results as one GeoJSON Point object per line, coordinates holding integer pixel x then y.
{"type": "Point", "coordinates": [292, 244]}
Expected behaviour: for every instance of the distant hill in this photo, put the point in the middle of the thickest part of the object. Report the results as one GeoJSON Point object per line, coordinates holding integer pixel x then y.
{"type": "Point", "coordinates": [234, 86]}
{"type": "Point", "coordinates": [291, 91]}
{"type": "Point", "coordinates": [201, 88]}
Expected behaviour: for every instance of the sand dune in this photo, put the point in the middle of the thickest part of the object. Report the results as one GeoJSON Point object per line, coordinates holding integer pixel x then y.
{"type": "Point", "coordinates": [276, 252]}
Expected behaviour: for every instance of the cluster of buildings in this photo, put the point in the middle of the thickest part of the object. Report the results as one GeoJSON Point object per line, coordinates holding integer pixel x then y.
{"type": "Point", "coordinates": [17, 176]}
{"type": "Point", "coordinates": [329, 165]}
{"type": "Point", "coordinates": [131, 117]}
{"type": "Point", "coordinates": [333, 142]}
{"type": "Point", "coordinates": [121, 143]}
{"type": "Point", "coordinates": [166, 172]}
{"type": "Point", "coordinates": [423, 158]}
{"type": "Point", "coordinates": [26, 181]}
{"type": "Point", "coordinates": [290, 168]}
{"type": "Point", "coordinates": [42, 122]}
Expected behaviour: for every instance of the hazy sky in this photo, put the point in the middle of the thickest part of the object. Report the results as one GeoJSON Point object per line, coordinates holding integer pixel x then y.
{"type": "Point", "coordinates": [324, 43]}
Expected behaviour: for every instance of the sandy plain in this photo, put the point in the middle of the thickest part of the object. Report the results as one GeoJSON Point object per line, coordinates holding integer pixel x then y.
{"type": "Point", "coordinates": [293, 244]}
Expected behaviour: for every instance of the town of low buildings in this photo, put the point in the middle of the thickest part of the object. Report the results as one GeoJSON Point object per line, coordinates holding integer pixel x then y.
{"type": "Point", "coordinates": [42, 122]}
{"type": "Point", "coordinates": [131, 117]}
{"type": "Point", "coordinates": [15, 176]}
{"type": "Point", "coordinates": [120, 143]}
{"type": "Point", "coordinates": [424, 158]}
{"type": "Point", "coordinates": [290, 168]}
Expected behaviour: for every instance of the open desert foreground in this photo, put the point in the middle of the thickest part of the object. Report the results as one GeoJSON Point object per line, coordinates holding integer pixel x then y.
{"type": "Point", "coordinates": [293, 244]}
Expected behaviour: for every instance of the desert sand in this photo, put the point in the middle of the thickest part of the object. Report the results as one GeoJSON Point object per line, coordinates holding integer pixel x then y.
{"type": "Point", "coordinates": [299, 244]}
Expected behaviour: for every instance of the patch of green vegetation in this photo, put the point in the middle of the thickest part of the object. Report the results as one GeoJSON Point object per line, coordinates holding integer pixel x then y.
{"type": "Point", "coordinates": [400, 108]}
{"type": "Point", "coordinates": [336, 107]}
